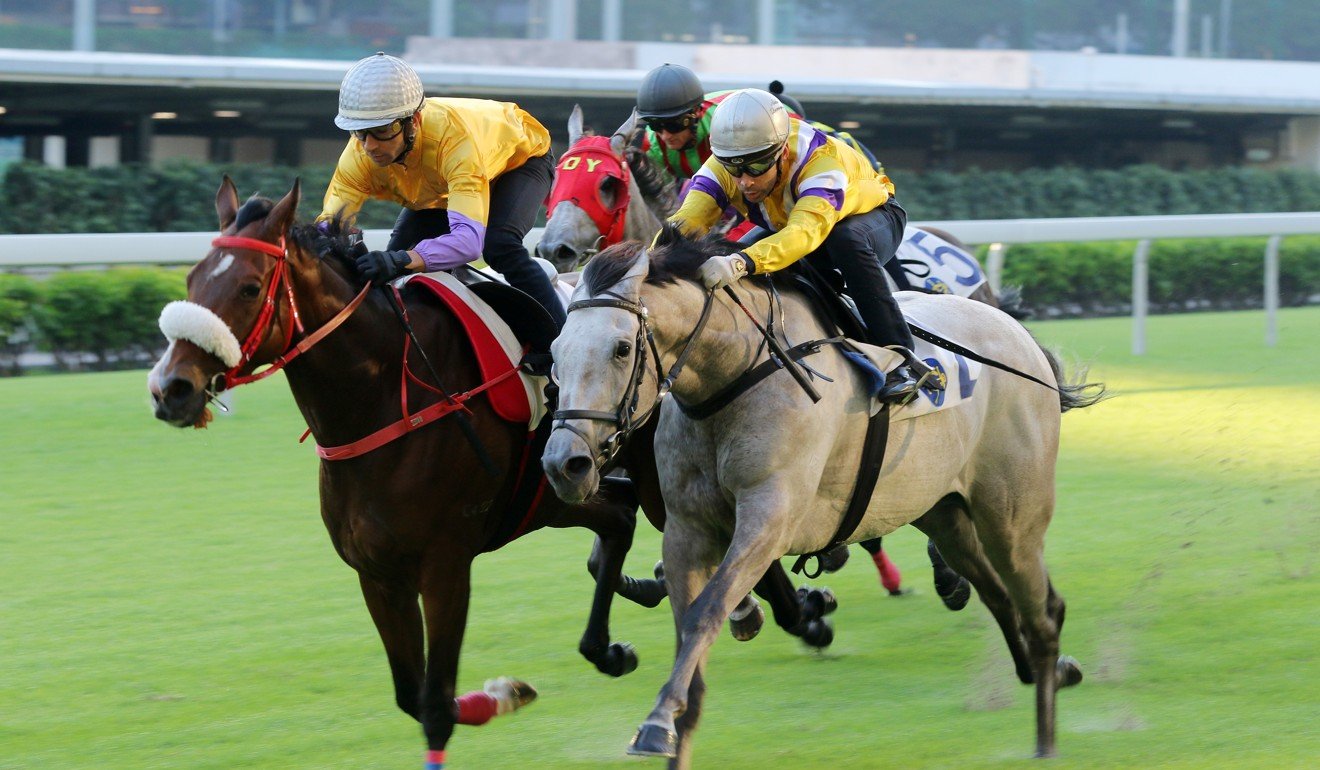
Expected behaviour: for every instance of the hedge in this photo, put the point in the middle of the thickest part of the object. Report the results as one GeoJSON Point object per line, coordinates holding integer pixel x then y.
{"type": "Point", "coordinates": [178, 196]}
{"type": "Point", "coordinates": [1085, 279]}
{"type": "Point", "coordinates": [109, 315]}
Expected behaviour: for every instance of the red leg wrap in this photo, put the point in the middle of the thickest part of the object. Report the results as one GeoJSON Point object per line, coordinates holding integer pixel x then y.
{"type": "Point", "coordinates": [475, 708]}
{"type": "Point", "coordinates": [890, 577]}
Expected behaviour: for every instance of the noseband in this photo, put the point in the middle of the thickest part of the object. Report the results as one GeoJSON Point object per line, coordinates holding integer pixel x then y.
{"type": "Point", "coordinates": [624, 417]}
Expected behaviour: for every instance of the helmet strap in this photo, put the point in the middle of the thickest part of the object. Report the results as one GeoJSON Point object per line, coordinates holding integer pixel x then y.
{"type": "Point", "coordinates": [409, 138]}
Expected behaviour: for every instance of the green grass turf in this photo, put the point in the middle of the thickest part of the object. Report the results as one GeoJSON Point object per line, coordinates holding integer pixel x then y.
{"type": "Point", "coordinates": [171, 599]}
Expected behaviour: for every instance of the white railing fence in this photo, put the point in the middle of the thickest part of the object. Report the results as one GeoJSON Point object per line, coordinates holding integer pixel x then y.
{"type": "Point", "coordinates": [63, 251]}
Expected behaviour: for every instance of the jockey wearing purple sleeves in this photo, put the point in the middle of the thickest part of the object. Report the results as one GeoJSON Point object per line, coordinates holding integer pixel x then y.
{"type": "Point", "coordinates": [470, 174]}
{"type": "Point", "coordinates": [819, 198]}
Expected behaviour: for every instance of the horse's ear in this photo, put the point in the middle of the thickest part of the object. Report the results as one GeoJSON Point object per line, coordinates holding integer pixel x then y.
{"type": "Point", "coordinates": [575, 125]}
{"type": "Point", "coordinates": [280, 218]}
{"type": "Point", "coordinates": [226, 203]}
{"type": "Point", "coordinates": [623, 136]}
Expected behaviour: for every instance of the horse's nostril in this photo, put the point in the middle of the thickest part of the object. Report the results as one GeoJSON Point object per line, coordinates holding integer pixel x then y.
{"type": "Point", "coordinates": [177, 389]}
{"type": "Point", "coordinates": [577, 466]}
{"type": "Point", "coordinates": [565, 254]}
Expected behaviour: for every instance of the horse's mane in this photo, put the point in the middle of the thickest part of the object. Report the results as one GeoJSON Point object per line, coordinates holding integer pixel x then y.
{"type": "Point", "coordinates": [658, 188]}
{"type": "Point", "coordinates": [674, 256]}
{"type": "Point", "coordinates": [334, 241]}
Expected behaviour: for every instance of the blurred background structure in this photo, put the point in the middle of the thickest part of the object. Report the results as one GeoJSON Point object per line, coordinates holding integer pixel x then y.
{"type": "Point", "coordinates": [935, 85]}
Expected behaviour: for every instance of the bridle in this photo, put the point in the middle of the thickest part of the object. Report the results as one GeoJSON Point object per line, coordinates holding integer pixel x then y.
{"type": "Point", "coordinates": [576, 182]}
{"type": "Point", "coordinates": [280, 285]}
{"type": "Point", "coordinates": [624, 417]}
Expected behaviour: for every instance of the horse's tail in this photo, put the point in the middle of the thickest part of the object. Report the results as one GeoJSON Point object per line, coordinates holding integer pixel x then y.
{"type": "Point", "coordinates": [1010, 301]}
{"type": "Point", "coordinates": [1076, 393]}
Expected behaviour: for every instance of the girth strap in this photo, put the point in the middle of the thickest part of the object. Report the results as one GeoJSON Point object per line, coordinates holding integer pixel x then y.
{"type": "Point", "coordinates": [751, 377]}
{"type": "Point", "coordinates": [873, 456]}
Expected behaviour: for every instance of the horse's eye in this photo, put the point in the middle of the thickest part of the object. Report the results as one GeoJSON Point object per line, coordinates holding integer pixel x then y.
{"type": "Point", "coordinates": [250, 291]}
{"type": "Point", "coordinates": [623, 349]}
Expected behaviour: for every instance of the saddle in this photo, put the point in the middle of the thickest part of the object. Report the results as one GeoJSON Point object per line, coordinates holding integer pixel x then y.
{"type": "Point", "coordinates": [506, 328]}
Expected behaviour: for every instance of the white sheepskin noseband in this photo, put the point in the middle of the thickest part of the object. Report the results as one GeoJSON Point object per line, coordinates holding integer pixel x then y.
{"type": "Point", "coordinates": [189, 321]}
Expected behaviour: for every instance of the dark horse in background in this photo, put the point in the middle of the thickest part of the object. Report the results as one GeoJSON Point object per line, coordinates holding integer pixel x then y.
{"type": "Point", "coordinates": [411, 515]}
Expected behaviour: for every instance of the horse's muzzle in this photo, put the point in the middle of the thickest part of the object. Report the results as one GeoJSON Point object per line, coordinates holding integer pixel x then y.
{"type": "Point", "coordinates": [176, 399]}
{"type": "Point", "coordinates": [570, 468]}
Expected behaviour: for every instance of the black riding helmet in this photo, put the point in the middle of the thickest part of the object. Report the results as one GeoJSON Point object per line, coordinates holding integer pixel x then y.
{"type": "Point", "coordinates": [777, 88]}
{"type": "Point", "coordinates": [668, 91]}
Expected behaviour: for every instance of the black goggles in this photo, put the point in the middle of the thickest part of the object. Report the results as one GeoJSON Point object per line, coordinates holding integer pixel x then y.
{"type": "Point", "coordinates": [671, 125]}
{"type": "Point", "coordinates": [753, 166]}
{"type": "Point", "coordinates": [379, 133]}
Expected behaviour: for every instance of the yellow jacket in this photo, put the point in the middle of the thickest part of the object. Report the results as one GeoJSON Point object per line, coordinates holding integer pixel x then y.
{"type": "Point", "coordinates": [461, 147]}
{"type": "Point", "coordinates": [821, 180]}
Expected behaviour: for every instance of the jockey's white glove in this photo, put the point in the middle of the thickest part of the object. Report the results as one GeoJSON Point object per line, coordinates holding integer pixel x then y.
{"type": "Point", "coordinates": [722, 271]}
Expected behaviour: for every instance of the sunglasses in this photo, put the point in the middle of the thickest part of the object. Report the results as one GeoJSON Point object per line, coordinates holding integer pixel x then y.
{"type": "Point", "coordinates": [750, 167]}
{"type": "Point", "coordinates": [379, 133]}
{"type": "Point", "coordinates": [671, 125]}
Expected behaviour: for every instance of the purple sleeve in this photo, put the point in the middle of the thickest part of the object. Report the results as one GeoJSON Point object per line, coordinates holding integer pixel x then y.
{"type": "Point", "coordinates": [461, 245]}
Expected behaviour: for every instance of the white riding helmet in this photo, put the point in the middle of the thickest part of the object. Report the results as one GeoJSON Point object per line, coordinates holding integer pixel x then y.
{"type": "Point", "coordinates": [747, 123]}
{"type": "Point", "coordinates": [377, 90]}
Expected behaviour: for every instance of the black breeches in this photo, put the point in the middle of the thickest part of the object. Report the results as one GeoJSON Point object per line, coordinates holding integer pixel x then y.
{"type": "Point", "coordinates": [515, 199]}
{"type": "Point", "coordinates": [860, 247]}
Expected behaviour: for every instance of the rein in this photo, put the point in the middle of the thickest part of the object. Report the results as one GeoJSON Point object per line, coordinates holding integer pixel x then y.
{"type": "Point", "coordinates": [260, 327]}
{"type": "Point", "coordinates": [280, 279]}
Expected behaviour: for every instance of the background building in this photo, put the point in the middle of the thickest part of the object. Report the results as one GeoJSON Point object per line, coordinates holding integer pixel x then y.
{"type": "Point", "coordinates": [930, 86]}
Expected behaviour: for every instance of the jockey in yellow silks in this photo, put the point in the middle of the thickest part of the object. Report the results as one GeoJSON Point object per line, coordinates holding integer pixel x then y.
{"type": "Point", "coordinates": [470, 174]}
{"type": "Point", "coordinates": [818, 198]}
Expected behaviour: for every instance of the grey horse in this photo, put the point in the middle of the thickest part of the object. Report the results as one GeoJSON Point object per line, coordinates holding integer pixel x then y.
{"type": "Point", "coordinates": [770, 473]}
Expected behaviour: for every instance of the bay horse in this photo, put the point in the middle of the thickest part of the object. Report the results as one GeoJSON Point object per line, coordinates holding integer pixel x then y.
{"type": "Point", "coordinates": [770, 472]}
{"type": "Point", "coordinates": [412, 514]}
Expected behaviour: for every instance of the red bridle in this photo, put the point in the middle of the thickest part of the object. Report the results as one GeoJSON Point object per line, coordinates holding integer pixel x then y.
{"type": "Point", "coordinates": [261, 327]}
{"type": "Point", "coordinates": [577, 179]}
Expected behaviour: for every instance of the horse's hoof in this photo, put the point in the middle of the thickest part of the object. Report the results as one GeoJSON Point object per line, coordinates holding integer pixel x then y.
{"type": "Point", "coordinates": [654, 741]}
{"type": "Point", "coordinates": [816, 602]}
{"type": "Point", "coordinates": [620, 658]}
{"type": "Point", "coordinates": [659, 571]}
{"type": "Point", "coordinates": [819, 634]}
{"type": "Point", "coordinates": [954, 595]}
{"type": "Point", "coordinates": [509, 694]}
{"type": "Point", "coordinates": [745, 628]}
{"type": "Point", "coordinates": [1067, 672]}
{"type": "Point", "coordinates": [834, 559]}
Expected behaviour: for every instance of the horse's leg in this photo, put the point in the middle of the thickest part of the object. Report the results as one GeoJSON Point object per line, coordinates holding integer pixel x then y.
{"type": "Point", "coordinates": [647, 592]}
{"type": "Point", "coordinates": [398, 620]}
{"type": "Point", "coordinates": [689, 552]}
{"type": "Point", "coordinates": [445, 589]}
{"type": "Point", "coordinates": [612, 516]}
{"type": "Point", "coordinates": [951, 587]}
{"type": "Point", "coordinates": [800, 612]}
{"type": "Point", "coordinates": [890, 577]}
{"type": "Point", "coordinates": [948, 526]}
{"type": "Point", "coordinates": [1013, 541]}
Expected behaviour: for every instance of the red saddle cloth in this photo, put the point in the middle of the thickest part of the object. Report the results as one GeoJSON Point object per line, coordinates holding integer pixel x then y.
{"type": "Point", "coordinates": [509, 397]}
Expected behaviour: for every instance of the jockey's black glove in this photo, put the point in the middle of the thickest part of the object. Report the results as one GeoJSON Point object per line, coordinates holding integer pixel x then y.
{"type": "Point", "coordinates": [380, 267]}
